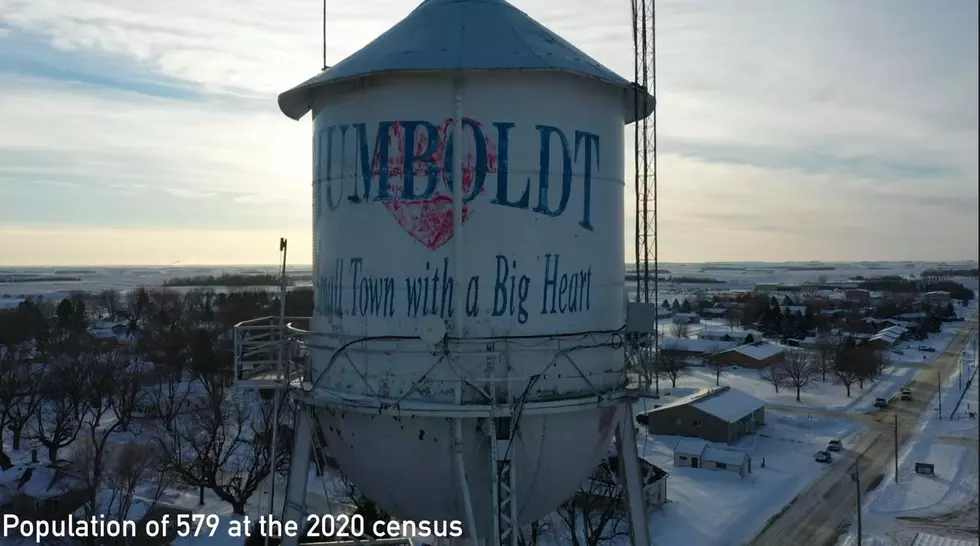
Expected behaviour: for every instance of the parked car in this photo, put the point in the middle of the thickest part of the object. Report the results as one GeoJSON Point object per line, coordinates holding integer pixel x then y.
{"type": "Point", "coordinates": [823, 457]}
{"type": "Point", "coordinates": [881, 403]}
{"type": "Point", "coordinates": [906, 395]}
{"type": "Point", "coordinates": [927, 349]}
{"type": "Point", "coordinates": [834, 445]}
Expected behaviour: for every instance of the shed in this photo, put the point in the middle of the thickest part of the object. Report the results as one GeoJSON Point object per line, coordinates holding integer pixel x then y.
{"type": "Point", "coordinates": [721, 415]}
{"type": "Point", "coordinates": [694, 453]}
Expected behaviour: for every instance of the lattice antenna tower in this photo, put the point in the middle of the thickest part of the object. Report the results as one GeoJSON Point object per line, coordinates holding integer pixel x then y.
{"type": "Point", "coordinates": [645, 161]}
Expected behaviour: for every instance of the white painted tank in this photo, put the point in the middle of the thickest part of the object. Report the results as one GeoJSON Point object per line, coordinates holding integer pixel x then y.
{"type": "Point", "coordinates": [542, 256]}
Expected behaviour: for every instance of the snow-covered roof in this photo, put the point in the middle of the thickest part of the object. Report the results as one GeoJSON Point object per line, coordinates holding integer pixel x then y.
{"type": "Point", "coordinates": [734, 335]}
{"type": "Point", "coordinates": [729, 404]}
{"type": "Point", "coordinates": [695, 345]}
{"type": "Point", "coordinates": [450, 35]}
{"type": "Point", "coordinates": [110, 504]}
{"type": "Point", "coordinates": [760, 350]}
{"type": "Point", "coordinates": [725, 403]}
{"type": "Point", "coordinates": [47, 482]}
{"type": "Point", "coordinates": [690, 446]}
{"type": "Point", "coordinates": [707, 452]}
{"type": "Point", "coordinates": [726, 456]}
{"type": "Point", "coordinates": [924, 539]}
{"type": "Point", "coordinates": [890, 335]}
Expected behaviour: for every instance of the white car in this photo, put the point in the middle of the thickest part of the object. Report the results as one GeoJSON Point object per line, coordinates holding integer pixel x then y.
{"type": "Point", "coordinates": [835, 445]}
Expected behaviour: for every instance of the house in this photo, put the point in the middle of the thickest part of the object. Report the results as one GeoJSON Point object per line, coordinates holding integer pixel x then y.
{"type": "Point", "coordinates": [604, 484]}
{"type": "Point", "coordinates": [858, 295]}
{"type": "Point", "coordinates": [714, 312]}
{"type": "Point", "coordinates": [801, 309]}
{"type": "Point", "coordinates": [887, 337]}
{"type": "Point", "coordinates": [913, 317]}
{"type": "Point", "coordinates": [937, 297]}
{"type": "Point", "coordinates": [722, 415]}
{"type": "Point", "coordinates": [45, 492]}
{"type": "Point", "coordinates": [738, 336]}
{"type": "Point", "coordinates": [673, 346]}
{"type": "Point", "coordinates": [693, 453]}
{"type": "Point", "coordinates": [686, 318]}
{"type": "Point", "coordinates": [756, 355]}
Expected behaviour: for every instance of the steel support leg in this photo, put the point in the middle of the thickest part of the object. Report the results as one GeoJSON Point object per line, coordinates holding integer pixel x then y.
{"type": "Point", "coordinates": [505, 529]}
{"type": "Point", "coordinates": [630, 460]}
{"type": "Point", "coordinates": [294, 507]}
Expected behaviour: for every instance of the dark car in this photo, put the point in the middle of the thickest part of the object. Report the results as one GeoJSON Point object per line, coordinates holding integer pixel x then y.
{"type": "Point", "coordinates": [881, 403]}
{"type": "Point", "coordinates": [823, 457]}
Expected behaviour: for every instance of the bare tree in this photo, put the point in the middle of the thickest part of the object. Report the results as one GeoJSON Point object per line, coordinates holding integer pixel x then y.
{"type": "Point", "coordinates": [225, 447]}
{"type": "Point", "coordinates": [64, 404]}
{"type": "Point", "coordinates": [775, 375]}
{"type": "Point", "coordinates": [799, 371]}
{"type": "Point", "coordinates": [880, 360]}
{"type": "Point", "coordinates": [825, 347]}
{"type": "Point", "coordinates": [671, 366]}
{"type": "Point", "coordinates": [733, 318]}
{"type": "Point", "coordinates": [111, 302]}
{"type": "Point", "coordinates": [848, 365]}
{"type": "Point", "coordinates": [113, 391]}
{"type": "Point", "coordinates": [28, 396]}
{"type": "Point", "coordinates": [596, 514]}
{"type": "Point", "coordinates": [717, 365]}
{"type": "Point", "coordinates": [680, 330]}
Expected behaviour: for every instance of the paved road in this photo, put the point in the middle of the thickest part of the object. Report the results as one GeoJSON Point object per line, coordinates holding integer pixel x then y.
{"type": "Point", "coordinates": [818, 515]}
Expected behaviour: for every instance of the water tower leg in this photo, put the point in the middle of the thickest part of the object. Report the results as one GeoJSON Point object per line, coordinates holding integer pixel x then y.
{"type": "Point", "coordinates": [294, 507]}
{"type": "Point", "coordinates": [629, 458]}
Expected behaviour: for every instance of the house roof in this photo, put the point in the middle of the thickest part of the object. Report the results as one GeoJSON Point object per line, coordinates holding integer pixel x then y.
{"type": "Point", "coordinates": [471, 35]}
{"type": "Point", "coordinates": [725, 403]}
{"type": "Point", "coordinates": [694, 345]}
{"type": "Point", "coordinates": [889, 335]}
{"type": "Point", "coordinates": [760, 350]}
{"type": "Point", "coordinates": [925, 539]}
{"type": "Point", "coordinates": [737, 335]}
{"type": "Point", "coordinates": [707, 452]}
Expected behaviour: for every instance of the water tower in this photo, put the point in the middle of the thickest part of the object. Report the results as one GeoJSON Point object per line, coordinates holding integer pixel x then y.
{"type": "Point", "coordinates": [465, 355]}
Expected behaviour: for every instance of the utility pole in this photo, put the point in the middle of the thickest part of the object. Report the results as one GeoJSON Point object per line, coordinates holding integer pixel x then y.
{"type": "Point", "coordinates": [896, 448]}
{"type": "Point", "coordinates": [939, 385]}
{"type": "Point", "coordinates": [856, 476]}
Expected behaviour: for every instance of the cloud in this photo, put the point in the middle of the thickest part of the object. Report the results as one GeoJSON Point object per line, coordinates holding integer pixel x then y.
{"type": "Point", "coordinates": [814, 129]}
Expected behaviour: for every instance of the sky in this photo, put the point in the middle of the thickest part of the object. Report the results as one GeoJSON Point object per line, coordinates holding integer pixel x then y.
{"type": "Point", "coordinates": [148, 132]}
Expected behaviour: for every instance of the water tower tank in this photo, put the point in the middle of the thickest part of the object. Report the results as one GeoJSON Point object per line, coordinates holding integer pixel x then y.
{"type": "Point", "coordinates": [530, 291]}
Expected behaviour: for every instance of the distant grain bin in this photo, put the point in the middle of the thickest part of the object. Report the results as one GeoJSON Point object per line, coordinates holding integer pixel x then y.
{"type": "Point", "coordinates": [529, 290]}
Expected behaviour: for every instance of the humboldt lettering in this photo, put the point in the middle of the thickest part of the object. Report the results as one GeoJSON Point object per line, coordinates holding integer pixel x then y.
{"type": "Point", "coordinates": [410, 161]}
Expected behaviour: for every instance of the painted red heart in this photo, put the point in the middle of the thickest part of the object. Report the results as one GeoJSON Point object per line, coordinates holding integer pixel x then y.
{"type": "Point", "coordinates": [430, 221]}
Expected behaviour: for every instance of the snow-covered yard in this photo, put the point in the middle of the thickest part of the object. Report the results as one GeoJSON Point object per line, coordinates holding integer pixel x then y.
{"type": "Point", "coordinates": [711, 507]}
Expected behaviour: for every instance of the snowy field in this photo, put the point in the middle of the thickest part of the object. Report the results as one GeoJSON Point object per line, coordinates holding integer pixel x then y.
{"type": "Point", "coordinates": [740, 507]}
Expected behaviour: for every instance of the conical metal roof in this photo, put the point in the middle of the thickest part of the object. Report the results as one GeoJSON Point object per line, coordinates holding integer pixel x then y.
{"type": "Point", "coordinates": [446, 35]}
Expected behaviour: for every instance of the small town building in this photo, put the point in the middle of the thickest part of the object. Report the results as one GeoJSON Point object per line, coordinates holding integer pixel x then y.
{"type": "Point", "coordinates": [686, 318]}
{"type": "Point", "coordinates": [937, 297]}
{"type": "Point", "coordinates": [887, 338]}
{"type": "Point", "coordinates": [694, 453]}
{"type": "Point", "coordinates": [858, 295]}
{"type": "Point", "coordinates": [738, 336]}
{"type": "Point", "coordinates": [756, 355]}
{"type": "Point", "coordinates": [722, 415]}
{"type": "Point", "coordinates": [685, 348]}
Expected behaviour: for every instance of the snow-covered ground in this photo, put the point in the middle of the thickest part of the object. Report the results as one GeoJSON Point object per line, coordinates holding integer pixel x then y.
{"type": "Point", "coordinates": [951, 493]}
{"type": "Point", "coordinates": [712, 507]}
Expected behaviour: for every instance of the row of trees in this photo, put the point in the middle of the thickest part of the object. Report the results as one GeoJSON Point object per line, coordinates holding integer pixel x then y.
{"type": "Point", "coordinates": [150, 405]}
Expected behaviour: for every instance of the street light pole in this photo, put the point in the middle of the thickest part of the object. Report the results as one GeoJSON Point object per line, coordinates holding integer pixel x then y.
{"type": "Point", "coordinates": [857, 483]}
{"type": "Point", "coordinates": [896, 448]}
{"type": "Point", "coordinates": [939, 385]}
